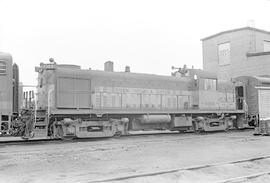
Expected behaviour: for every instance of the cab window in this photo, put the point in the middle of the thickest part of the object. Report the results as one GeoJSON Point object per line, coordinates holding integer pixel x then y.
{"type": "Point", "coordinates": [210, 84]}
{"type": "Point", "coordinates": [3, 67]}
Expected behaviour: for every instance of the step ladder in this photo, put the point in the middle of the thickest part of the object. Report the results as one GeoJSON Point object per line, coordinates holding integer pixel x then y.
{"type": "Point", "coordinates": [40, 127]}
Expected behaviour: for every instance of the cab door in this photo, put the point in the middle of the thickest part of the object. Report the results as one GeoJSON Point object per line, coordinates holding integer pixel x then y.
{"type": "Point", "coordinates": [239, 97]}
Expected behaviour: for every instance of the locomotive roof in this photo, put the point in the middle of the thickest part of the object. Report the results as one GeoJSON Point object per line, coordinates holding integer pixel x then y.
{"type": "Point", "coordinates": [5, 55]}
{"type": "Point", "coordinates": [84, 72]}
{"type": "Point", "coordinates": [115, 74]}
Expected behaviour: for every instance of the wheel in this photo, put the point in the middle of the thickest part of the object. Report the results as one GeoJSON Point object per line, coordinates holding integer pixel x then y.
{"type": "Point", "coordinates": [67, 138]}
{"type": "Point", "coordinates": [117, 134]}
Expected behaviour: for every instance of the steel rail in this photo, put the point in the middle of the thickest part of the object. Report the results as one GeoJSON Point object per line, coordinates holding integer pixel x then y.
{"type": "Point", "coordinates": [149, 174]}
{"type": "Point", "coordinates": [182, 136]}
{"type": "Point", "coordinates": [244, 178]}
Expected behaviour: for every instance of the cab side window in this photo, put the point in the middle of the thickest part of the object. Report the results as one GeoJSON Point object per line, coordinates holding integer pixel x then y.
{"type": "Point", "coordinates": [210, 84]}
{"type": "Point", "coordinates": [3, 67]}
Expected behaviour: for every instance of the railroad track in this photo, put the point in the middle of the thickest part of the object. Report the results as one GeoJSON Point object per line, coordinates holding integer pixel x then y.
{"type": "Point", "coordinates": [234, 179]}
{"type": "Point", "coordinates": [182, 136]}
{"type": "Point", "coordinates": [244, 178]}
{"type": "Point", "coordinates": [17, 139]}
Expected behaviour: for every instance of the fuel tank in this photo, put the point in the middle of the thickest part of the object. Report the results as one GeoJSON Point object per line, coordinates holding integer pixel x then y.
{"type": "Point", "coordinates": [146, 119]}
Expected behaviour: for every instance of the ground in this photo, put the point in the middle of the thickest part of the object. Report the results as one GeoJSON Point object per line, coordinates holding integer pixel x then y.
{"type": "Point", "coordinates": [97, 160]}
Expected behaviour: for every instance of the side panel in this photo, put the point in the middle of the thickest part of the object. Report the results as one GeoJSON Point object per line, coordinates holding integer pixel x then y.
{"type": "Point", "coordinates": [73, 93]}
{"type": "Point", "coordinates": [130, 91]}
{"type": "Point", "coordinates": [131, 100]}
{"type": "Point", "coordinates": [216, 100]}
{"type": "Point", "coordinates": [82, 93]}
{"type": "Point", "coordinates": [65, 95]}
{"type": "Point", "coordinates": [264, 103]}
{"type": "Point", "coordinates": [140, 98]}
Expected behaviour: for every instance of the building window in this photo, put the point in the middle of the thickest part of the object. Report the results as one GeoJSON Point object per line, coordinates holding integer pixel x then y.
{"type": "Point", "coordinates": [5, 117]}
{"type": "Point", "coordinates": [3, 67]}
{"type": "Point", "coordinates": [224, 53]}
{"type": "Point", "coordinates": [210, 84]}
{"type": "Point", "coordinates": [266, 46]}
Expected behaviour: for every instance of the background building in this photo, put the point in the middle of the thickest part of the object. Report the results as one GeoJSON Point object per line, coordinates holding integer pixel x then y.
{"type": "Point", "coordinates": [238, 52]}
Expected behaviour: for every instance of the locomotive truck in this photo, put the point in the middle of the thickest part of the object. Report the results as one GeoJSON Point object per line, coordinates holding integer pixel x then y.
{"type": "Point", "coordinates": [85, 103]}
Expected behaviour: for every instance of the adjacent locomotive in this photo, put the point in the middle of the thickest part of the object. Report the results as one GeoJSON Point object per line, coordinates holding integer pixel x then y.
{"type": "Point", "coordinates": [9, 82]}
{"type": "Point", "coordinates": [254, 93]}
{"type": "Point", "coordinates": [74, 102]}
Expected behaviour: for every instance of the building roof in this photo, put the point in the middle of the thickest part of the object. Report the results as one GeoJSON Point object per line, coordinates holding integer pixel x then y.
{"type": "Point", "coordinates": [258, 54]}
{"type": "Point", "coordinates": [264, 80]}
{"type": "Point", "coordinates": [261, 80]}
{"type": "Point", "coordinates": [235, 30]}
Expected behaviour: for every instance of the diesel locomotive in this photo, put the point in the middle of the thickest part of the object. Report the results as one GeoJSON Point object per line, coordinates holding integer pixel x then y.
{"type": "Point", "coordinates": [83, 103]}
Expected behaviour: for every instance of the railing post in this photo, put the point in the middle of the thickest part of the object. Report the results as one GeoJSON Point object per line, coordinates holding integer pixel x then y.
{"type": "Point", "coordinates": [140, 100]}
{"type": "Point", "coordinates": [161, 101]}
{"type": "Point", "coordinates": [100, 100]}
{"type": "Point", "coordinates": [177, 102]}
{"type": "Point", "coordinates": [121, 100]}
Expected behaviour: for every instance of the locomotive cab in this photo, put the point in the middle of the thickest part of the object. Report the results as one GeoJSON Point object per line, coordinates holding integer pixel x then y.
{"type": "Point", "coordinates": [213, 101]}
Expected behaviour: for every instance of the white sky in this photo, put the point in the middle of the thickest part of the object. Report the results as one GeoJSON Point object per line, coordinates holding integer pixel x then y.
{"type": "Point", "coordinates": [148, 35]}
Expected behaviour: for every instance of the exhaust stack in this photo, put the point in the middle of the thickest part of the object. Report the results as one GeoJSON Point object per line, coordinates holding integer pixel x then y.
{"type": "Point", "coordinates": [127, 69]}
{"type": "Point", "coordinates": [108, 66]}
